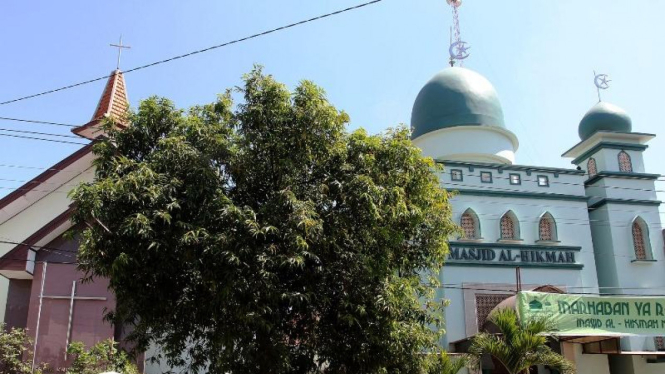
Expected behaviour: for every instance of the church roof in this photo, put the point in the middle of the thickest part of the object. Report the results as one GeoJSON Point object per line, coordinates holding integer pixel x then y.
{"type": "Point", "coordinates": [456, 97]}
{"type": "Point", "coordinates": [113, 104]}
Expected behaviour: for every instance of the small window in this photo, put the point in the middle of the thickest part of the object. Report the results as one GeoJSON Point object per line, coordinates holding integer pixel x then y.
{"type": "Point", "coordinates": [509, 226]}
{"type": "Point", "coordinates": [659, 342]}
{"type": "Point", "coordinates": [641, 240]}
{"type": "Point", "coordinates": [625, 164]}
{"type": "Point", "coordinates": [470, 225]}
{"type": "Point", "coordinates": [591, 167]}
{"type": "Point", "coordinates": [543, 181]}
{"type": "Point", "coordinates": [515, 179]}
{"type": "Point", "coordinates": [456, 175]}
{"type": "Point", "coordinates": [547, 228]}
{"type": "Point", "coordinates": [486, 177]}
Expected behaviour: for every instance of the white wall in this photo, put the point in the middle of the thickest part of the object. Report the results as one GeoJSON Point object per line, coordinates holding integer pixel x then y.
{"type": "Point", "coordinates": [489, 144]}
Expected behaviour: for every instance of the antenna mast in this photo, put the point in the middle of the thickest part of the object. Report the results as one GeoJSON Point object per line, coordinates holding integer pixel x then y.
{"type": "Point", "coordinates": [458, 49]}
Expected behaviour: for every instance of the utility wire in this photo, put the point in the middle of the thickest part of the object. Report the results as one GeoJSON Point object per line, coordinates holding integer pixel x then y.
{"type": "Point", "coordinates": [36, 121]}
{"type": "Point", "coordinates": [41, 133]}
{"type": "Point", "coordinates": [196, 52]}
{"type": "Point", "coordinates": [42, 139]}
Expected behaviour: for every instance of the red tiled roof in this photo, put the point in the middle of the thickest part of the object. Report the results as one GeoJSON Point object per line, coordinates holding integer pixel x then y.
{"type": "Point", "coordinates": [113, 104]}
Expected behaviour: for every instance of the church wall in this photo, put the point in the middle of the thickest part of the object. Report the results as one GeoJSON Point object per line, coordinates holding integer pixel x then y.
{"type": "Point", "coordinates": [18, 297]}
{"type": "Point", "coordinates": [41, 212]}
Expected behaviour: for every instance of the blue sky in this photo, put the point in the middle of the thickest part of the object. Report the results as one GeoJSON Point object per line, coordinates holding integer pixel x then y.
{"type": "Point", "coordinates": [540, 56]}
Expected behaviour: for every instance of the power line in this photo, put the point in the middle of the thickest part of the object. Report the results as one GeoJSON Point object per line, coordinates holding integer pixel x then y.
{"type": "Point", "coordinates": [197, 52]}
{"type": "Point", "coordinates": [36, 121]}
{"type": "Point", "coordinates": [42, 139]}
{"type": "Point", "coordinates": [41, 133]}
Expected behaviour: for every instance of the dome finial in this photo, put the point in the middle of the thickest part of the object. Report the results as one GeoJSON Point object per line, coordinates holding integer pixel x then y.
{"type": "Point", "coordinates": [458, 49]}
{"type": "Point", "coordinates": [601, 82]}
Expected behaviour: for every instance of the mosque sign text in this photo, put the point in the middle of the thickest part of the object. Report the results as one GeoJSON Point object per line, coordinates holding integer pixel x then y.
{"type": "Point", "coordinates": [499, 254]}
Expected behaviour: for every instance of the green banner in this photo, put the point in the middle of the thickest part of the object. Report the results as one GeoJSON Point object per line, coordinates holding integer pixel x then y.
{"type": "Point", "coordinates": [583, 315]}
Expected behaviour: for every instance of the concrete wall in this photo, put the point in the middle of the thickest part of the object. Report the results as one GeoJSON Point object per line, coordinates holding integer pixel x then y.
{"type": "Point", "coordinates": [489, 144]}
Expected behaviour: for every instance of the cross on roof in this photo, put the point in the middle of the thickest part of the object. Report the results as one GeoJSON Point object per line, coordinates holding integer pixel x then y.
{"type": "Point", "coordinates": [120, 47]}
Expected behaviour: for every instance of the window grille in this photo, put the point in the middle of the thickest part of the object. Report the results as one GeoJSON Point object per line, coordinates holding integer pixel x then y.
{"type": "Point", "coordinates": [485, 303]}
{"type": "Point", "coordinates": [625, 163]}
{"type": "Point", "coordinates": [546, 231]}
{"type": "Point", "coordinates": [507, 227]}
{"type": "Point", "coordinates": [591, 167]}
{"type": "Point", "coordinates": [469, 226]}
{"type": "Point", "coordinates": [638, 242]}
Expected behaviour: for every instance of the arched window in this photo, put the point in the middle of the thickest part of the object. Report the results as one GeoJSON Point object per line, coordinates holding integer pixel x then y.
{"type": "Point", "coordinates": [591, 167]}
{"type": "Point", "coordinates": [641, 239]}
{"type": "Point", "coordinates": [625, 164]}
{"type": "Point", "coordinates": [547, 228]}
{"type": "Point", "coordinates": [510, 227]}
{"type": "Point", "coordinates": [470, 224]}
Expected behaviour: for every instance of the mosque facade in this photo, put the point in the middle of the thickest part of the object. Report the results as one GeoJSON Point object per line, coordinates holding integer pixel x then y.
{"type": "Point", "coordinates": [591, 229]}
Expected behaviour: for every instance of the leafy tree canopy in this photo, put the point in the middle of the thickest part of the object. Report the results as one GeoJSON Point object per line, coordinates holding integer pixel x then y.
{"type": "Point", "coordinates": [264, 238]}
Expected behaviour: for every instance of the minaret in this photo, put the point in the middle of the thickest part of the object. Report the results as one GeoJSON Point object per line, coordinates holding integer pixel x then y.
{"type": "Point", "coordinates": [623, 207]}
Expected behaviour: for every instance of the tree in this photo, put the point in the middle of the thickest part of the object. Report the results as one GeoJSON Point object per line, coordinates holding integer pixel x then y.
{"type": "Point", "coordinates": [15, 353]}
{"type": "Point", "coordinates": [520, 344]}
{"type": "Point", "coordinates": [442, 363]}
{"type": "Point", "coordinates": [266, 238]}
{"type": "Point", "coordinates": [101, 357]}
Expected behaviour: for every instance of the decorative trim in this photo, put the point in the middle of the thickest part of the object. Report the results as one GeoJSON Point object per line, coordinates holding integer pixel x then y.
{"type": "Point", "coordinates": [526, 195]}
{"type": "Point", "coordinates": [526, 168]}
{"type": "Point", "coordinates": [606, 201]}
{"type": "Point", "coordinates": [517, 246]}
{"type": "Point", "coordinates": [515, 265]}
{"type": "Point", "coordinates": [608, 145]}
{"type": "Point", "coordinates": [620, 175]}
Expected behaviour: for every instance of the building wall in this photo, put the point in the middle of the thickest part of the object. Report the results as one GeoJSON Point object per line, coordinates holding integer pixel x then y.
{"type": "Point", "coordinates": [18, 227]}
{"type": "Point", "coordinates": [564, 199]}
{"type": "Point", "coordinates": [18, 296]}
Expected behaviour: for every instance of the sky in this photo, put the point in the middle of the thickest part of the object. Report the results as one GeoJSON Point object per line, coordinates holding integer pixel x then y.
{"type": "Point", "coordinates": [540, 56]}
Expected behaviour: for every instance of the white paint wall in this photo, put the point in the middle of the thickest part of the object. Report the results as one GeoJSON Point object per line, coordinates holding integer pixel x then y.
{"type": "Point", "coordinates": [489, 144]}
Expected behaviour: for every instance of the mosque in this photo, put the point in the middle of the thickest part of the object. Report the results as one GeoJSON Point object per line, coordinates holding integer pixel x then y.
{"type": "Point", "coordinates": [591, 229]}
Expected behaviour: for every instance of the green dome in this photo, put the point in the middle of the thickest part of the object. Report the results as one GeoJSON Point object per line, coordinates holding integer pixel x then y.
{"type": "Point", "coordinates": [604, 117]}
{"type": "Point", "coordinates": [456, 97]}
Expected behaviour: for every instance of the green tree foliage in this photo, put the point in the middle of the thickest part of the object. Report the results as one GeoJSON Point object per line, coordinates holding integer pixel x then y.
{"type": "Point", "coordinates": [520, 344]}
{"type": "Point", "coordinates": [102, 357]}
{"type": "Point", "coordinates": [443, 363]}
{"type": "Point", "coordinates": [264, 238]}
{"type": "Point", "coordinates": [15, 351]}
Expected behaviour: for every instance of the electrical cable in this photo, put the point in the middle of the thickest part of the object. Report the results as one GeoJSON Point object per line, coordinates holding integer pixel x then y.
{"type": "Point", "coordinates": [36, 121]}
{"type": "Point", "coordinates": [42, 139]}
{"type": "Point", "coordinates": [196, 52]}
{"type": "Point", "coordinates": [41, 133]}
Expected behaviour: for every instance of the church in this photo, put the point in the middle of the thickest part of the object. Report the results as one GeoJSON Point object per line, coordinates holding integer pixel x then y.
{"type": "Point", "coordinates": [591, 229]}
